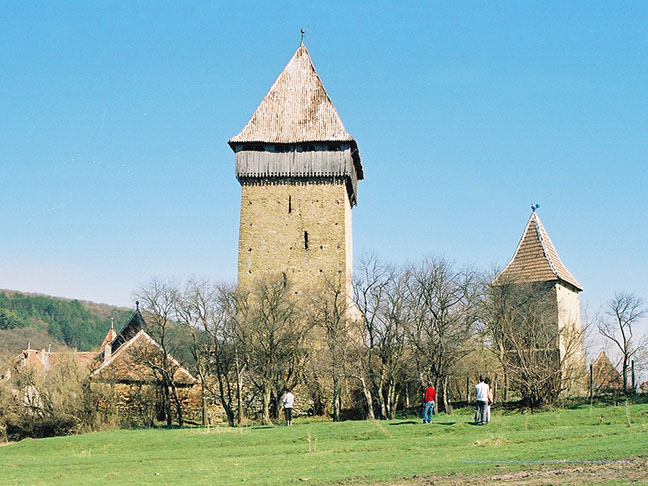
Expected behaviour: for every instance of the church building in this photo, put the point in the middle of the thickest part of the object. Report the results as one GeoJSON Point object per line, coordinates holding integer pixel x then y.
{"type": "Point", "coordinates": [299, 169]}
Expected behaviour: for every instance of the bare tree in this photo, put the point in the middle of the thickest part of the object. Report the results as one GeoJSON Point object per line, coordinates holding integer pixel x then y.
{"type": "Point", "coordinates": [379, 294]}
{"type": "Point", "coordinates": [540, 356]}
{"type": "Point", "coordinates": [624, 312]}
{"type": "Point", "coordinates": [444, 308]}
{"type": "Point", "coordinates": [208, 316]}
{"type": "Point", "coordinates": [272, 333]}
{"type": "Point", "coordinates": [159, 303]}
{"type": "Point", "coordinates": [331, 310]}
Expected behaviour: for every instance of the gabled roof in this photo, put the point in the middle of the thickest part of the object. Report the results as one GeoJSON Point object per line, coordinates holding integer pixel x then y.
{"type": "Point", "coordinates": [135, 360]}
{"type": "Point", "coordinates": [296, 109]}
{"type": "Point", "coordinates": [110, 337]}
{"type": "Point", "coordinates": [131, 328]}
{"type": "Point", "coordinates": [536, 259]}
{"type": "Point", "coordinates": [605, 373]}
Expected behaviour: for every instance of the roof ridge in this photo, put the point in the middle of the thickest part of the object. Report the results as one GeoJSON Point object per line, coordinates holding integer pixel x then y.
{"type": "Point", "coordinates": [517, 249]}
{"type": "Point", "coordinates": [538, 227]}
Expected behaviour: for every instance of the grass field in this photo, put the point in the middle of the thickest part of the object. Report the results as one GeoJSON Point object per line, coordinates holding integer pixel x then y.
{"type": "Point", "coordinates": [541, 448]}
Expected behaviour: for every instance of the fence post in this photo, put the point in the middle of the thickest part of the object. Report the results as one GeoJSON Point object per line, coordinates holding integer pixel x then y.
{"type": "Point", "coordinates": [591, 382]}
{"type": "Point", "coordinates": [467, 388]}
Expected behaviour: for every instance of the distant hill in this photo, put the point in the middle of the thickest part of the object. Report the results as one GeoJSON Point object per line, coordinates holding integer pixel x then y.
{"type": "Point", "coordinates": [64, 323]}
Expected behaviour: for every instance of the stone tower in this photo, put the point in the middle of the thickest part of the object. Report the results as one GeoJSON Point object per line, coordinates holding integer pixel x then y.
{"type": "Point", "coordinates": [536, 261]}
{"type": "Point", "coordinates": [298, 168]}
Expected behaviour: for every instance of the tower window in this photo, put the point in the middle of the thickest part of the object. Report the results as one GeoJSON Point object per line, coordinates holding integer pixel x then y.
{"type": "Point", "coordinates": [285, 279]}
{"type": "Point", "coordinates": [253, 148]}
{"type": "Point", "coordinates": [290, 204]}
{"type": "Point", "coordinates": [307, 147]}
{"type": "Point", "coordinates": [306, 240]}
{"type": "Point", "coordinates": [282, 148]}
{"type": "Point", "coordinates": [335, 147]}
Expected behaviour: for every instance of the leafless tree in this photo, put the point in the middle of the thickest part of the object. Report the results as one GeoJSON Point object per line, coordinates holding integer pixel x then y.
{"type": "Point", "coordinates": [331, 311]}
{"type": "Point", "coordinates": [444, 306]}
{"type": "Point", "coordinates": [624, 312]}
{"type": "Point", "coordinates": [159, 304]}
{"type": "Point", "coordinates": [379, 294]}
{"type": "Point", "coordinates": [540, 356]}
{"type": "Point", "coordinates": [272, 332]}
{"type": "Point", "coordinates": [209, 317]}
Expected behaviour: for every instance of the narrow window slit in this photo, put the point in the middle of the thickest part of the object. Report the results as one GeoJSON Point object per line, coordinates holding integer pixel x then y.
{"type": "Point", "coordinates": [306, 240]}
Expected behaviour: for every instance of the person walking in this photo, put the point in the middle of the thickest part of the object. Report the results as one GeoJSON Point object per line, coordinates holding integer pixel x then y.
{"type": "Point", "coordinates": [428, 407]}
{"type": "Point", "coordinates": [288, 403]}
{"type": "Point", "coordinates": [481, 396]}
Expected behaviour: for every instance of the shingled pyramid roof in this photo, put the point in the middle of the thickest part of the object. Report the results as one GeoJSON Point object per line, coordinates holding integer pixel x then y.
{"type": "Point", "coordinates": [536, 259]}
{"type": "Point", "coordinates": [296, 109]}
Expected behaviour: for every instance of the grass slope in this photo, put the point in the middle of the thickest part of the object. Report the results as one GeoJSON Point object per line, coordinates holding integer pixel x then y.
{"type": "Point", "coordinates": [368, 452]}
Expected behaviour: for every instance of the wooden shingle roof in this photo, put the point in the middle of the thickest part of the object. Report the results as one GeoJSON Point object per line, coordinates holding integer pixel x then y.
{"type": "Point", "coordinates": [536, 259]}
{"type": "Point", "coordinates": [296, 109]}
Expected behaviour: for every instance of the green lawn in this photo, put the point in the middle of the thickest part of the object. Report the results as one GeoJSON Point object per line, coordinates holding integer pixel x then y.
{"type": "Point", "coordinates": [374, 452]}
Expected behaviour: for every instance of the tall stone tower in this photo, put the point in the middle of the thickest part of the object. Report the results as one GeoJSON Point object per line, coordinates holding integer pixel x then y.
{"type": "Point", "coordinates": [299, 169]}
{"type": "Point", "coordinates": [536, 261]}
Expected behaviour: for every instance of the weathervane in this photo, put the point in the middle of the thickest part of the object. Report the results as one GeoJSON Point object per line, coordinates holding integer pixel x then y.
{"type": "Point", "coordinates": [303, 31]}
{"type": "Point", "coordinates": [534, 206]}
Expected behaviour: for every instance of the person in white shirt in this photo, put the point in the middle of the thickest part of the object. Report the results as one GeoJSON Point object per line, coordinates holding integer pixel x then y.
{"type": "Point", "coordinates": [288, 402]}
{"type": "Point", "coordinates": [481, 396]}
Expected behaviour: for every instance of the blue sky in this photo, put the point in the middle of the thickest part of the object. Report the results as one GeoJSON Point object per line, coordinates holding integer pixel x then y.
{"type": "Point", "coordinates": [114, 166]}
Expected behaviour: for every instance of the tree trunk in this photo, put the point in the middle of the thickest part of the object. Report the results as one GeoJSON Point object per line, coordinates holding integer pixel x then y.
{"type": "Point", "coordinates": [225, 402]}
{"type": "Point", "coordinates": [336, 397]}
{"type": "Point", "coordinates": [444, 393]}
{"type": "Point", "coordinates": [267, 395]}
{"type": "Point", "coordinates": [391, 400]}
{"type": "Point", "coordinates": [368, 397]}
{"type": "Point", "coordinates": [380, 395]}
{"type": "Point", "coordinates": [204, 407]}
{"type": "Point", "coordinates": [177, 403]}
{"type": "Point", "coordinates": [239, 391]}
{"type": "Point", "coordinates": [167, 404]}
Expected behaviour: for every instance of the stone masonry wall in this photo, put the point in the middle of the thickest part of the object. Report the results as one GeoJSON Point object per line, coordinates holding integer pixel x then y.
{"type": "Point", "coordinates": [275, 219]}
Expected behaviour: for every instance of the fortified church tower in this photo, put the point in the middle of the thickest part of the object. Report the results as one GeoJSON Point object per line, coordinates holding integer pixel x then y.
{"type": "Point", "coordinates": [299, 169]}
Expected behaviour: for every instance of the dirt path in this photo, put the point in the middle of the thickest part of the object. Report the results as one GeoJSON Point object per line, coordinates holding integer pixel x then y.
{"type": "Point", "coordinates": [633, 471]}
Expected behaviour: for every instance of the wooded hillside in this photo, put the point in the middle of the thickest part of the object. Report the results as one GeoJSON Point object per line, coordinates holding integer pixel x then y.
{"type": "Point", "coordinates": [43, 320]}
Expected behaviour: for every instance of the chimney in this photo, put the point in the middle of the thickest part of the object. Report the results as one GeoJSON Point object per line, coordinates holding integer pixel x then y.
{"type": "Point", "coordinates": [107, 352]}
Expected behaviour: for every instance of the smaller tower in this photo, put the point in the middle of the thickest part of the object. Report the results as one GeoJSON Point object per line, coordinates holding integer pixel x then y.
{"type": "Point", "coordinates": [536, 261]}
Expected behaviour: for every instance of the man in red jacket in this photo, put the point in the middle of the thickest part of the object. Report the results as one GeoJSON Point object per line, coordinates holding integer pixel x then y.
{"type": "Point", "coordinates": [428, 408]}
